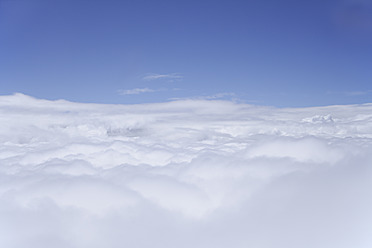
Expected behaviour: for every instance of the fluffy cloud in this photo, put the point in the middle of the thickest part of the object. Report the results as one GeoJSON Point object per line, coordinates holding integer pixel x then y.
{"type": "Point", "coordinates": [190, 173]}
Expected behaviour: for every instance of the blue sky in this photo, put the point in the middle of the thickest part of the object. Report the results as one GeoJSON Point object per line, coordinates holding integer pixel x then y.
{"type": "Point", "coordinates": [272, 52]}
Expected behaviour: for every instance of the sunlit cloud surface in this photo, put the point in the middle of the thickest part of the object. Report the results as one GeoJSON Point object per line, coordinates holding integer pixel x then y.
{"type": "Point", "coordinates": [187, 173]}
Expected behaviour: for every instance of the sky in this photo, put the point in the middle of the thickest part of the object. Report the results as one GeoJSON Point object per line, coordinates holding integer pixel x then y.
{"type": "Point", "coordinates": [282, 53]}
{"type": "Point", "coordinates": [186, 173]}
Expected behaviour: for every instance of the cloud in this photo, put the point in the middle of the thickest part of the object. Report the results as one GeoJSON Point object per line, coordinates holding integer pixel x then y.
{"type": "Point", "coordinates": [171, 77]}
{"type": "Point", "coordinates": [218, 96]}
{"type": "Point", "coordinates": [359, 93]}
{"type": "Point", "coordinates": [136, 91]}
{"type": "Point", "coordinates": [352, 93]}
{"type": "Point", "coordinates": [187, 173]}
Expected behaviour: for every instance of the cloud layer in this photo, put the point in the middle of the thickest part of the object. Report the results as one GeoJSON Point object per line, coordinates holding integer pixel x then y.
{"type": "Point", "coordinates": [189, 173]}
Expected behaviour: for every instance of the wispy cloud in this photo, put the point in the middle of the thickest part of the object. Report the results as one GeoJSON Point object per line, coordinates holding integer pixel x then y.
{"type": "Point", "coordinates": [172, 77]}
{"type": "Point", "coordinates": [351, 93]}
{"type": "Point", "coordinates": [218, 96]}
{"type": "Point", "coordinates": [136, 91]}
{"type": "Point", "coordinates": [358, 93]}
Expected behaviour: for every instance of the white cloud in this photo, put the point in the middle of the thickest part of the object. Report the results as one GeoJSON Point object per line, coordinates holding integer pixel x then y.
{"type": "Point", "coordinates": [218, 96]}
{"type": "Point", "coordinates": [188, 173]}
{"type": "Point", "coordinates": [172, 77]}
{"type": "Point", "coordinates": [136, 91]}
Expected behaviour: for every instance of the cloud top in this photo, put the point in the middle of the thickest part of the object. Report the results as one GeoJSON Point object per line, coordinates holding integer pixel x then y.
{"type": "Point", "coordinates": [187, 173]}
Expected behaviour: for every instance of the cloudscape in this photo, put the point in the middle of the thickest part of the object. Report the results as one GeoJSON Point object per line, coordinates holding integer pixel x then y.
{"type": "Point", "coordinates": [185, 124]}
{"type": "Point", "coordinates": [185, 173]}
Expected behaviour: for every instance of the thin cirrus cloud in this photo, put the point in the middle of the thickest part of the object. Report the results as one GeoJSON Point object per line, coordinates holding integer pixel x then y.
{"type": "Point", "coordinates": [218, 96]}
{"type": "Point", "coordinates": [351, 93]}
{"type": "Point", "coordinates": [136, 91]}
{"type": "Point", "coordinates": [187, 173]}
{"type": "Point", "coordinates": [359, 93]}
{"type": "Point", "coordinates": [171, 77]}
